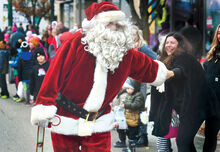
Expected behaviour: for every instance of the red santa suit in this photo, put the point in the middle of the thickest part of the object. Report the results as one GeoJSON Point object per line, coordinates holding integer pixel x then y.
{"type": "Point", "coordinates": [78, 76]}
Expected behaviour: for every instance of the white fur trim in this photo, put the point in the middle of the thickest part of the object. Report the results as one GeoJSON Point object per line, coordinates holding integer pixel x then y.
{"type": "Point", "coordinates": [97, 94]}
{"type": "Point", "coordinates": [110, 16]}
{"type": "Point", "coordinates": [41, 113]}
{"type": "Point", "coordinates": [104, 17]}
{"type": "Point", "coordinates": [161, 74]}
{"type": "Point", "coordinates": [69, 126]}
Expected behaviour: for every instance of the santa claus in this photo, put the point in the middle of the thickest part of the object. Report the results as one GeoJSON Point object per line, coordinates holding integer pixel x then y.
{"type": "Point", "coordinates": [86, 74]}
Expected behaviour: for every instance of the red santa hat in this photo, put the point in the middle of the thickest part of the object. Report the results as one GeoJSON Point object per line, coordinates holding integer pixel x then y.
{"type": "Point", "coordinates": [103, 12]}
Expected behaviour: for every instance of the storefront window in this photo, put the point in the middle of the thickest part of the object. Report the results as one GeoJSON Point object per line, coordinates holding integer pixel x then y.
{"type": "Point", "coordinates": [212, 20]}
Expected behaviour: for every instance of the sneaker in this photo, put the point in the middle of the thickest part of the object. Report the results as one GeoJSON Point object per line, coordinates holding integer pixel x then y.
{"type": "Point", "coordinates": [19, 99]}
{"type": "Point", "coordinates": [126, 150]}
{"type": "Point", "coordinates": [4, 96]}
{"type": "Point", "coordinates": [15, 97]}
{"type": "Point", "coordinates": [119, 144]}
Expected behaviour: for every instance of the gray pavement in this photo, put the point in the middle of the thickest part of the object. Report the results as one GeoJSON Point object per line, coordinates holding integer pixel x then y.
{"type": "Point", "coordinates": [18, 135]}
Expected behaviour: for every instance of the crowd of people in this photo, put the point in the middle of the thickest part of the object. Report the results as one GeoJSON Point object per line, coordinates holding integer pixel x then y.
{"type": "Point", "coordinates": [109, 59]}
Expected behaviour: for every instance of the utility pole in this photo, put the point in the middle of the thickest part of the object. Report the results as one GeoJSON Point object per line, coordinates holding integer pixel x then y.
{"type": "Point", "coordinates": [74, 11]}
{"type": "Point", "coordinates": [10, 13]}
{"type": "Point", "coordinates": [52, 18]}
{"type": "Point", "coordinates": [80, 13]}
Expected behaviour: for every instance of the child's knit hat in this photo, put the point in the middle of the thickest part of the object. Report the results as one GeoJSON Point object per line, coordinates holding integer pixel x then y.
{"type": "Point", "coordinates": [39, 51]}
{"type": "Point", "coordinates": [35, 41]}
{"type": "Point", "coordinates": [128, 84]}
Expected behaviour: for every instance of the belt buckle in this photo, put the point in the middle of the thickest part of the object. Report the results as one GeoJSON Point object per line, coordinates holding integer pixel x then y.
{"type": "Point", "coordinates": [89, 114]}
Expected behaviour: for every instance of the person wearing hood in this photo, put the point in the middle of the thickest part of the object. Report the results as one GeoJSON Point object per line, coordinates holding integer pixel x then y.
{"type": "Point", "coordinates": [25, 65]}
{"type": "Point", "coordinates": [133, 105]}
{"type": "Point", "coordinates": [15, 37]}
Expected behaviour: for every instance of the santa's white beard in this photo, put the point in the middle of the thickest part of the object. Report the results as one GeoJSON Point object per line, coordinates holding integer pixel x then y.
{"type": "Point", "coordinates": [109, 46]}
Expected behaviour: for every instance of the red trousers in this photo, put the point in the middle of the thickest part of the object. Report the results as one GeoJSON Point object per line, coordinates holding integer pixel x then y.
{"type": "Point", "coordinates": [98, 142]}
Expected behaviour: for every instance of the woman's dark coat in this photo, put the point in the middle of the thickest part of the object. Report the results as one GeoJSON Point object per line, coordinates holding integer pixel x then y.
{"type": "Point", "coordinates": [187, 92]}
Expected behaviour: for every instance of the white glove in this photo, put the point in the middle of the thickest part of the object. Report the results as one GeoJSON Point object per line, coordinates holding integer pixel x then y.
{"type": "Point", "coordinates": [40, 115]}
{"type": "Point", "coordinates": [161, 88]}
{"type": "Point", "coordinates": [144, 117]}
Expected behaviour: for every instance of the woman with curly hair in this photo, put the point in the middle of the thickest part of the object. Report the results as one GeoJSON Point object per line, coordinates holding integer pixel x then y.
{"type": "Point", "coordinates": [183, 103]}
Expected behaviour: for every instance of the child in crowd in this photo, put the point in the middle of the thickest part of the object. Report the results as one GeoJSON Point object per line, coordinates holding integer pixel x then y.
{"type": "Point", "coordinates": [116, 106]}
{"type": "Point", "coordinates": [4, 56]}
{"type": "Point", "coordinates": [38, 72]}
{"type": "Point", "coordinates": [25, 65]}
{"type": "Point", "coordinates": [133, 104]}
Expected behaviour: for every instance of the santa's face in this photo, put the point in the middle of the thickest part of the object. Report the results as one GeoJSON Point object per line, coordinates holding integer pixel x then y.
{"type": "Point", "coordinates": [171, 45]}
{"type": "Point", "coordinates": [109, 42]}
{"type": "Point", "coordinates": [113, 26]}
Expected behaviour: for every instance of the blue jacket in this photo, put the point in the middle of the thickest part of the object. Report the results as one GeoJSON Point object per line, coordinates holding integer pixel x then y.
{"type": "Point", "coordinates": [148, 51]}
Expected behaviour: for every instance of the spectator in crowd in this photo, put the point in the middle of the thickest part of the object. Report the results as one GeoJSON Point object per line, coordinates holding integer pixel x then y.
{"type": "Point", "coordinates": [142, 46]}
{"type": "Point", "coordinates": [15, 37]}
{"type": "Point", "coordinates": [25, 65]}
{"type": "Point", "coordinates": [133, 105]}
{"type": "Point", "coordinates": [22, 29]}
{"type": "Point", "coordinates": [14, 28]}
{"type": "Point", "coordinates": [38, 73]}
{"type": "Point", "coordinates": [4, 57]}
{"type": "Point", "coordinates": [61, 27]}
{"type": "Point", "coordinates": [194, 36]}
{"type": "Point", "coordinates": [179, 107]}
{"type": "Point", "coordinates": [212, 69]}
{"type": "Point", "coordinates": [1, 35]}
{"type": "Point", "coordinates": [34, 44]}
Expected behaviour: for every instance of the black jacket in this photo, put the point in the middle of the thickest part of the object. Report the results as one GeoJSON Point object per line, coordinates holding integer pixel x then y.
{"type": "Point", "coordinates": [212, 70]}
{"type": "Point", "coordinates": [37, 77]}
{"type": "Point", "coordinates": [187, 92]}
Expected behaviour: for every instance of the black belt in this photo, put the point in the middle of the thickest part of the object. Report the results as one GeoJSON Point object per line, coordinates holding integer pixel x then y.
{"type": "Point", "coordinates": [76, 110]}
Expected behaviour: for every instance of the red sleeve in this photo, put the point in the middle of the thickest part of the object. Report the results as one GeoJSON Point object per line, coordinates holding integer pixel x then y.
{"type": "Point", "coordinates": [59, 68]}
{"type": "Point", "coordinates": [143, 68]}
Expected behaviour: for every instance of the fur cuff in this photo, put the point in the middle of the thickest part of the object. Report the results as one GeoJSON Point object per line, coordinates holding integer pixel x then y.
{"type": "Point", "coordinates": [41, 113]}
{"type": "Point", "coordinates": [161, 74]}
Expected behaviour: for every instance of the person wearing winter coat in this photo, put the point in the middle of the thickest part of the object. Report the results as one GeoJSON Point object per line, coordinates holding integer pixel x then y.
{"type": "Point", "coordinates": [212, 69]}
{"type": "Point", "coordinates": [4, 57]}
{"type": "Point", "coordinates": [142, 46]}
{"type": "Point", "coordinates": [25, 65]}
{"type": "Point", "coordinates": [134, 103]}
{"type": "Point", "coordinates": [185, 100]}
{"type": "Point", "coordinates": [38, 73]}
{"type": "Point", "coordinates": [15, 37]}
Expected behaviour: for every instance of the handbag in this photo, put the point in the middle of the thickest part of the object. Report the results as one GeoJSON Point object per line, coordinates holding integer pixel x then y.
{"type": "Point", "coordinates": [174, 126]}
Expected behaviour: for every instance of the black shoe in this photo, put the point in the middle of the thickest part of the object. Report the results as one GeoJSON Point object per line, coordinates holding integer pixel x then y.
{"type": "Point", "coordinates": [119, 144]}
{"type": "Point", "coordinates": [142, 141]}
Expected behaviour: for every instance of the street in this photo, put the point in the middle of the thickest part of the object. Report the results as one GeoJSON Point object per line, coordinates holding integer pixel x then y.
{"type": "Point", "coordinates": [18, 135]}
